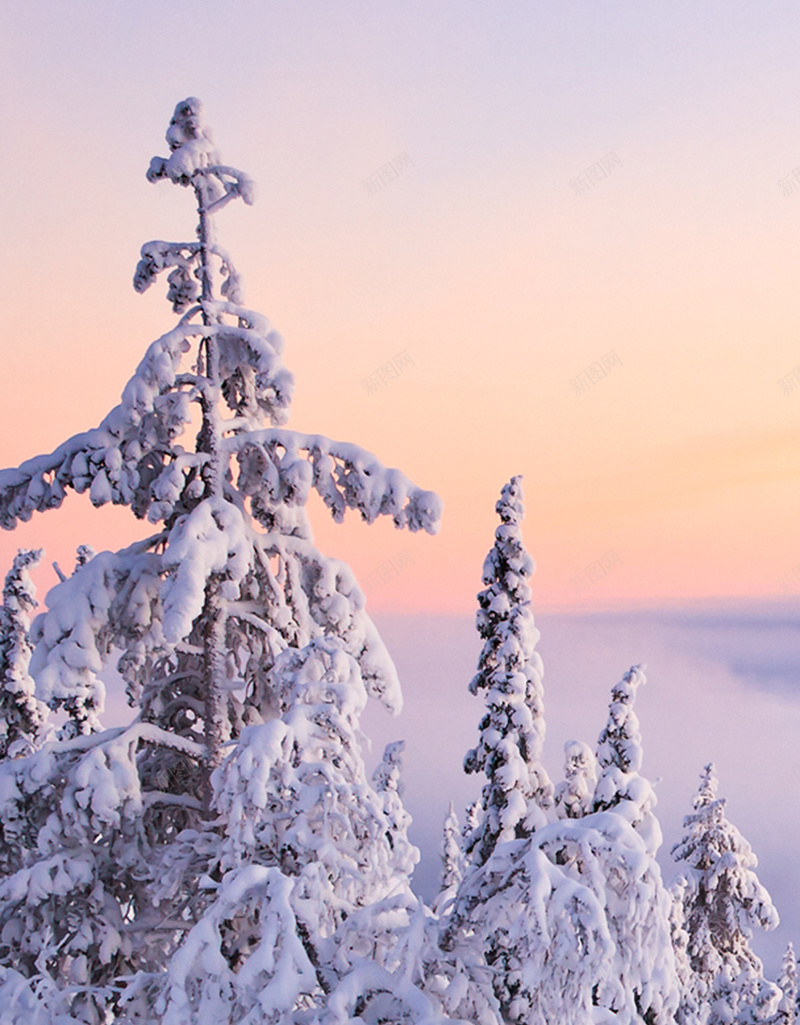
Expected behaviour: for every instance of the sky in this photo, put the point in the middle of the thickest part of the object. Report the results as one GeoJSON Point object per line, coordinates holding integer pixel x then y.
{"type": "Point", "coordinates": [556, 240]}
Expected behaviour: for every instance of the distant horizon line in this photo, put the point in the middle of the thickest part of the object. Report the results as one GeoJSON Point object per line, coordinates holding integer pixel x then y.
{"type": "Point", "coordinates": [712, 603]}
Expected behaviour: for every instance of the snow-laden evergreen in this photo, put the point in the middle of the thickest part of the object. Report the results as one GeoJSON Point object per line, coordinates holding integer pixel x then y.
{"type": "Point", "coordinates": [573, 795]}
{"type": "Point", "coordinates": [517, 790]}
{"type": "Point", "coordinates": [571, 923]}
{"type": "Point", "coordinates": [196, 864]}
{"type": "Point", "coordinates": [21, 714]}
{"type": "Point", "coordinates": [619, 757]}
{"type": "Point", "coordinates": [787, 984]}
{"type": "Point", "coordinates": [722, 901]}
{"type": "Point", "coordinates": [452, 858]}
{"type": "Point", "coordinates": [567, 921]}
{"type": "Point", "coordinates": [692, 1009]}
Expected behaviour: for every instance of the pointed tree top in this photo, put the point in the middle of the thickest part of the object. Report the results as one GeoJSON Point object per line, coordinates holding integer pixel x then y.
{"type": "Point", "coordinates": [194, 159]}
{"type": "Point", "coordinates": [709, 784]}
{"type": "Point", "coordinates": [510, 506]}
{"type": "Point", "coordinates": [508, 564]}
{"type": "Point", "coordinates": [187, 124]}
{"type": "Point", "coordinates": [620, 742]}
{"type": "Point", "coordinates": [387, 776]}
{"type": "Point", "coordinates": [18, 595]}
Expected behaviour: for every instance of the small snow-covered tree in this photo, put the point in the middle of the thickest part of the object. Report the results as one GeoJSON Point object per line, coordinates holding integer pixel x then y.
{"type": "Point", "coordinates": [21, 715]}
{"type": "Point", "coordinates": [692, 1008]}
{"type": "Point", "coordinates": [452, 858]}
{"type": "Point", "coordinates": [573, 795]}
{"type": "Point", "coordinates": [229, 830]}
{"type": "Point", "coordinates": [517, 790]}
{"type": "Point", "coordinates": [388, 782]}
{"type": "Point", "coordinates": [722, 901]}
{"type": "Point", "coordinates": [787, 983]}
{"type": "Point", "coordinates": [619, 757]}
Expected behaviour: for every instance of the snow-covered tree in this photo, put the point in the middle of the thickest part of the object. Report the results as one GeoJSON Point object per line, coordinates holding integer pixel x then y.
{"type": "Point", "coordinates": [787, 983]}
{"type": "Point", "coordinates": [692, 1008]}
{"type": "Point", "coordinates": [619, 757]}
{"type": "Point", "coordinates": [568, 922]}
{"type": "Point", "coordinates": [722, 901]}
{"type": "Point", "coordinates": [452, 858]}
{"type": "Point", "coordinates": [573, 795]}
{"type": "Point", "coordinates": [572, 924]}
{"type": "Point", "coordinates": [517, 790]}
{"type": "Point", "coordinates": [21, 715]}
{"type": "Point", "coordinates": [388, 781]}
{"type": "Point", "coordinates": [229, 830]}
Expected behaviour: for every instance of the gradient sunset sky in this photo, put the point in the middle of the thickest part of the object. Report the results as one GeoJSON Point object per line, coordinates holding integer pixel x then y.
{"type": "Point", "coordinates": [497, 260]}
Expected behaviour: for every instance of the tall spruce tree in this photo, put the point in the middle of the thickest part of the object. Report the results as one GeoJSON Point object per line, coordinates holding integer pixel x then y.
{"type": "Point", "coordinates": [566, 921]}
{"type": "Point", "coordinates": [517, 790]}
{"type": "Point", "coordinates": [722, 901]}
{"type": "Point", "coordinates": [199, 863]}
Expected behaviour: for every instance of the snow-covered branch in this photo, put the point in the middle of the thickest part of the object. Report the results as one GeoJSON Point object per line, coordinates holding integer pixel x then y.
{"type": "Point", "coordinates": [273, 470]}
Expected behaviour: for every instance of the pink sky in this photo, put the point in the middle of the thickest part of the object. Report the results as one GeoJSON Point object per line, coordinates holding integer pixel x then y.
{"type": "Point", "coordinates": [677, 471]}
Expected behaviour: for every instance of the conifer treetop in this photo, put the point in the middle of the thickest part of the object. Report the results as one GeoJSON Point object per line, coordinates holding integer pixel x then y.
{"type": "Point", "coordinates": [452, 862]}
{"type": "Point", "coordinates": [134, 456]}
{"type": "Point", "coordinates": [787, 983]}
{"type": "Point", "coordinates": [619, 756]}
{"type": "Point", "coordinates": [191, 143]}
{"type": "Point", "coordinates": [721, 870]}
{"type": "Point", "coordinates": [573, 795]}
